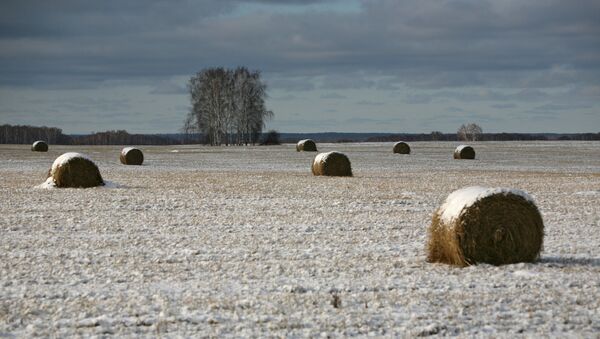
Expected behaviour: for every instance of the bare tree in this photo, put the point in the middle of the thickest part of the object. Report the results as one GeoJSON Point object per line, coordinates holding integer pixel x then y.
{"type": "Point", "coordinates": [228, 106]}
{"type": "Point", "coordinates": [469, 132]}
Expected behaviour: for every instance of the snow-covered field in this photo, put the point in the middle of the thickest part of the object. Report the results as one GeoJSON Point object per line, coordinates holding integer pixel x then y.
{"type": "Point", "coordinates": [244, 241]}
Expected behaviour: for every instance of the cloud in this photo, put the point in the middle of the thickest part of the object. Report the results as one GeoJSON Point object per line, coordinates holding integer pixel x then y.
{"type": "Point", "coordinates": [369, 103]}
{"type": "Point", "coordinates": [332, 96]}
{"type": "Point", "coordinates": [503, 106]}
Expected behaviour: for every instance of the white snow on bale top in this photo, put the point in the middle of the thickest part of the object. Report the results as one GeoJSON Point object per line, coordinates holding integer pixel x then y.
{"type": "Point", "coordinates": [126, 150]}
{"type": "Point", "coordinates": [302, 141]}
{"type": "Point", "coordinates": [460, 147]}
{"type": "Point", "coordinates": [65, 158]}
{"type": "Point", "coordinates": [321, 157]}
{"type": "Point", "coordinates": [464, 198]}
{"type": "Point", "coordinates": [37, 142]}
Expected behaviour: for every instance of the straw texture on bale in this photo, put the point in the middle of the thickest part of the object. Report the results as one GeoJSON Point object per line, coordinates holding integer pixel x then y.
{"type": "Point", "coordinates": [482, 225]}
{"type": "Point", "coordinates": [464, 152]}
{"type": "Point", "coordinates": [75, 170]}
{"type": "Point", "coordinates": [332, 164]}
{"type": "Point", "coordinates": [401, 148]}
{"type": "Point", "coordinates": [131, 156]}
{"type": "Point", "coordinates": [39, 146]}
{"type": "Point", "coordinates": [306, 145]}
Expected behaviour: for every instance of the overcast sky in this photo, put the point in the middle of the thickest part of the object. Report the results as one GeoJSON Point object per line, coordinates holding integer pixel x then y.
{"type": "Point", "coordinates": [347, 66]}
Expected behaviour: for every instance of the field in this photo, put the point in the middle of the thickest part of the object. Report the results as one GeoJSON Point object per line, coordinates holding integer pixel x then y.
{"type": "Point", "coordinates": [244, 241]}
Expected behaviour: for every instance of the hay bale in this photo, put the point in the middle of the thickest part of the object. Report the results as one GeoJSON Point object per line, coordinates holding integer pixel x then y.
{"type": "Point", "coordinates": [39, 146]}
{"type": "Point", "coordinates": [332, 164]}
{"type": "Point", "coordinates": [401, 148]}
{"type": "Point", "coordinates": [464, 152]}
{"type": "Point", "coordinates": [75, 170]}
{"type": "Point", "coordinates": [131, 156]}
{"type": "Point", "coordinates": [306, 145]}
{"type": "Point", "coordinates": [485, 225]}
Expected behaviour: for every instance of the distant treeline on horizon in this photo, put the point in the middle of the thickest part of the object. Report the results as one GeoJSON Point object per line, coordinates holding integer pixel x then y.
{"type": "Point", "coordinates": [10, 134]}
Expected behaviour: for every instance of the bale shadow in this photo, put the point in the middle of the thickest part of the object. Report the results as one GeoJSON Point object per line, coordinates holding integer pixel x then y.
{"type": "Point", "coordinates": [569, 261]}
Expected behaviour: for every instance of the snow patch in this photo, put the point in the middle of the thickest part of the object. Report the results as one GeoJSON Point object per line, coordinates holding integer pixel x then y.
{"type": "Point", "coordinates": [459, 148]}
{"type": "Point", "coordinates": [321, 157]}
{"type": "Point", "coordinates": [464, 198]}
{"type": "Point", "coordinates": [175, 151]}
{"type": "Point", "coordinates": [50, 184]}
{"type": "Point", "coordinates": [587, 193]}
{"type": "Point", "coordinates": [126, 150]}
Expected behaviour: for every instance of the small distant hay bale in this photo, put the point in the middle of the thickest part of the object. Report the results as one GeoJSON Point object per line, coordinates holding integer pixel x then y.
{"type": "Point", "coordinates": [401, 148]}
{"type": "Point", "coordinates": [332, 164]}
{"type": "Point", "coordinates": [306, 145]}
{"type": "Point", "coordinates": [464, 152]}
{"type": "Point", "coordinates": [485, 225]}
{"type": "Point", "coordinates": [131, 156]}
{"type": "Point", "coordinates": [75, 170]}
{"type": "Point", "coordinates": [39, 146]}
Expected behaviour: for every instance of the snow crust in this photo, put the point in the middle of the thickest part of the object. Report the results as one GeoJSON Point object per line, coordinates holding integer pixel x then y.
{"type": "Point", "coordinates": [245, 242]}
{"type": "Point", "coordinates": [125, 150]}
{"type": "Point", "coordinates": [65, 158]}
{"type": "Point", "coordinates": [459, 148]}
{"type": "Point", "coordinates": [50, 184]}
{"type": "Point", "coordinates": [302, 141]}
{"type": "Point", "coordinates": [464, 198]}
{"type": "Point", "coordinates": [37, 142]}
{"type": "Point", "coordinates": [321, 157]}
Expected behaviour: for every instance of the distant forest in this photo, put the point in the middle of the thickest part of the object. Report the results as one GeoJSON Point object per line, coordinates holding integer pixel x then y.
{"type": "Point", "coordinates": [28, 134]}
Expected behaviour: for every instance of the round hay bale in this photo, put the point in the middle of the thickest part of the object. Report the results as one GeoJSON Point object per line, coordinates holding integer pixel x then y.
{"type": "Point", "coordinates": [401, 148]}
{"type": "Point", "coordinates": [306, 145]}
{"type": "Point", "coordinates": [485, 225]}
{"type": "Point", "coordinates": [464, 152]}
{"type": "Point", "coordinates": [131, 156]}
{"type": "Point", "coordinates": [332, 164]}
{"type": "Point", "coordinates": [39, 146]}
{"type": "Point", "coordinates": [75, 170]}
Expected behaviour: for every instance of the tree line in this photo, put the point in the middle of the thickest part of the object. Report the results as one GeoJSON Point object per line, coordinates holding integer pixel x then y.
{"type": "Point", "coordinates": [25, 134]}
{"type": "Point", "coordinates": [228, 106]}
{"type": "Point", "coordinates": [28, 134]}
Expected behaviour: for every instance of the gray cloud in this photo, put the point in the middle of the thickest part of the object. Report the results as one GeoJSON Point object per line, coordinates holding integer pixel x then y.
{"type": "Point", "coordinates": [333, 96]}
{"type": "Point", "coordinates": [424, 43]}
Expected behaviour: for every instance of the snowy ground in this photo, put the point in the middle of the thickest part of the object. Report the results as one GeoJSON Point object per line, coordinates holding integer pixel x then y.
{"type": "Point", "coordinates": [242, 241]}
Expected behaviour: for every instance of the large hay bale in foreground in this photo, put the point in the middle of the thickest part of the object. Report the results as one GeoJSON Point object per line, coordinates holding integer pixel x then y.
{"type": "Point", "coordinates": [485, 225]}
{"type": "Point", "coordinates": [75, 170]}
{"type": "Point", "coordinates": [131, 156]}
{"type": "Point", "coordinates": [464, 152]}
{"type": "Point", "coordinates": [39, 146]}
{"type": "Point", "coordinates": [401, 148]}
{"type": "Point", "coordinates": [332, 164]}
{"type": "Point", "coordinates": [306, 145]}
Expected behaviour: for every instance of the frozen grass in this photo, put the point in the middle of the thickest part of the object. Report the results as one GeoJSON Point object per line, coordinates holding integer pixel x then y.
{"type": "Point", "coordinates": [247, 242]}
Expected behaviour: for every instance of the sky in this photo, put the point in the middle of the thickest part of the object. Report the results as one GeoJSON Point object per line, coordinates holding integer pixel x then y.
{"type": "Point", "coordinates": [392, 66]}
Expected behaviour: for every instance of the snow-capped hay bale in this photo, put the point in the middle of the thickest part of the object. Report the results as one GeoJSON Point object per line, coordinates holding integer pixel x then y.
{"type": "Point", "coordinates": [464, 152]}
{"type": "Point", "coordinates": [401, 148]}
{"type": "Point", "coordinates": [332, 164]}
{"type": "Point", "coordinates": [131, 156]}
{"type": "Point", "coordinates": [75, 170]}
{"type": "Point", "coordinates": [39, 146]}
{"type": "Point", "coordinates": [485, 225]}
{"type": "Point", "coordinates": [306, 145]}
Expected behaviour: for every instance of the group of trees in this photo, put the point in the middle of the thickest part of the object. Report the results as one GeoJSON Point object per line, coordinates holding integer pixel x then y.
{"type": "Point", "coordinates": [228, 106]}
{"type": "Point", "coordinates": [28, 134]}
{"type": "Point", "coordinates": [469, 132]}
{"type": "Point", "coordinates": [120, 137]}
